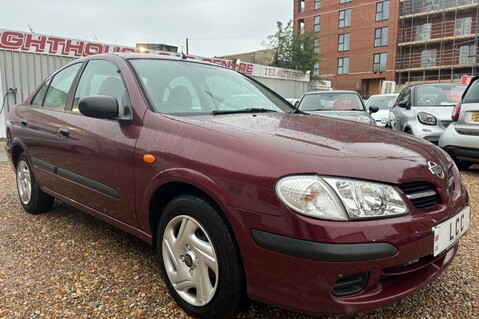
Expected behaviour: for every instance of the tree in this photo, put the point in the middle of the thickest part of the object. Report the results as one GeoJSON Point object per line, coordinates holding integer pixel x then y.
{"type": "Point", "coordinates": [293, 50]}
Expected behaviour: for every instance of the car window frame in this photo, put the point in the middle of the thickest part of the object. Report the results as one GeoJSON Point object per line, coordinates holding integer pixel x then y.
{"type": "Point", "coordinates": [48, 82]}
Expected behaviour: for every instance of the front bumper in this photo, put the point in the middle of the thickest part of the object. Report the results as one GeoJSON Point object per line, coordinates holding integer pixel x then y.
{"type": "Point", "coordinates": [327, 268]}
{"type": "Point", "coordinates": [426, 132]}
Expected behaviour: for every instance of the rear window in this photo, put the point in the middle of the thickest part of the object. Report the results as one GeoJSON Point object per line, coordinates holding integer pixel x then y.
{"type": "Point", "coordinates": [331, 102]}
{"type": "Point", "coordinates": [472, 94]}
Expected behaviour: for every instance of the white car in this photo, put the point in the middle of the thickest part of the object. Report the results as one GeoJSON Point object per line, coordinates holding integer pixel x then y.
{"type": "Point", "coordinates": [384, 102]}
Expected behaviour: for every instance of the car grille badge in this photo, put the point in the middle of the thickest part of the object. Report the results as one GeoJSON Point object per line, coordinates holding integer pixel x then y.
{"type": "Point", "coordinates": [436, 169]}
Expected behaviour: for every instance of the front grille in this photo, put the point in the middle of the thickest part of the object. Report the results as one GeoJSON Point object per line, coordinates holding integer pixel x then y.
{"type": "Point", "coordinates": [450, 181]}
{"type": "Point", "coordinates": [422, 195]}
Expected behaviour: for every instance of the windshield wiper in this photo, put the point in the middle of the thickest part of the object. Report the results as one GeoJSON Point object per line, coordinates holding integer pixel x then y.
{"type": "Point", "coordinates": [248, 110]}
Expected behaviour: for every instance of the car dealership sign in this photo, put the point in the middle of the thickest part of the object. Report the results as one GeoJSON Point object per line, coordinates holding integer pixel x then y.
{"type": "Point", "coordinates": [52, 45]}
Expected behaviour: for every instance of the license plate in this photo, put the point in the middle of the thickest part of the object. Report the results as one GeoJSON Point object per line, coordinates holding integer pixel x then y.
{"type": "Point", "coordinates": [449, 232]}
{"type": "Point", "coordinates": [475, 117]}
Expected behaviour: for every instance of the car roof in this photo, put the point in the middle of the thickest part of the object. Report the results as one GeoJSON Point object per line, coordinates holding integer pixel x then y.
{"type": "Point", "coordinates": [331, 92]}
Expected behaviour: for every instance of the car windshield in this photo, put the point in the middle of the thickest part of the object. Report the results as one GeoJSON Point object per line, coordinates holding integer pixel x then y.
{"type": "Point", "coordinates": [384, 102]}
{"type": "Point", "coordinates": [439, 95]}
{"type": "Point", "coordinates": [185, 87]}
{"type": "Point", "coordinates": [332, 101]}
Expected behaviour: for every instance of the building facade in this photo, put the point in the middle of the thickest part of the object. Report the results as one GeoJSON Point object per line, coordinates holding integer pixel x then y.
{"type": "Point", "coordinates": [363, 44]}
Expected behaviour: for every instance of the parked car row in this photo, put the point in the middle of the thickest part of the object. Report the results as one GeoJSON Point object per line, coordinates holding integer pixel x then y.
{"type": "Point", "coordinates": [446, 114]}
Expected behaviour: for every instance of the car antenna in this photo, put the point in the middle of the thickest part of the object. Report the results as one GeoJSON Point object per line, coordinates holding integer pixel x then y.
{"type": "Point", "coordinates": [183, 55]}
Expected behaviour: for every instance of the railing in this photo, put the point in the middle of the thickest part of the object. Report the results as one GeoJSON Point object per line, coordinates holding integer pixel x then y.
{"type": "Point", "coordinates": [423, 6]}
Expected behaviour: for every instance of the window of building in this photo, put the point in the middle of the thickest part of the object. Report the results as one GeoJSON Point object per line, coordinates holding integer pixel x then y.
{"type": "Point", "coordinates": [467, 54]}
{"type": "Point", "coordinates": [381, 37]}
{"type": "Point", "coordinates": [343, 42]}
{"type": "Point", "coordinates": [423, 32]}
{"type": "Point", "coordinates": [316, 45]}
{"type": "Point", "coordinates": [428, 58]}
{"type": "Point", "coordinates": [317, 4]}
{"type": "Point", "coordinates": [463, 26]}
{"type": "Point", "coordinates": [316, 69]}
{"type": "Point", "coordinates": [343, 65]}
{"type": "Point", "coordinates": [301, 26]}
{"type": "Point", "coordinates": [382, 10]}
{"type": "Point", "coordinates": [344, 1]}
{"type": "Point", "coordinates": [379, 62]}
{"type": "Point", "coordinates": [317, 23]}
{"type": "Point", "coordinates": [345, 18]}
{"type": "Point", "coordinates": [301, 6]}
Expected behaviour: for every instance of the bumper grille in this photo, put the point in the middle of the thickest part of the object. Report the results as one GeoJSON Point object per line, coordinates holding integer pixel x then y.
{"type": "Point", "coordinates": [422, 195]}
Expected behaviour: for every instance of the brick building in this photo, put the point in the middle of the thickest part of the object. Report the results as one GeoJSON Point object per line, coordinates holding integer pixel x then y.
{"type": "Point", "coordinates": [363, 43]}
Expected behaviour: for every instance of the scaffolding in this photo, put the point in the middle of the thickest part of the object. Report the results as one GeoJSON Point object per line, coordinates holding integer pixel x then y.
{"type": "Point", "coordinates": [437, 40]}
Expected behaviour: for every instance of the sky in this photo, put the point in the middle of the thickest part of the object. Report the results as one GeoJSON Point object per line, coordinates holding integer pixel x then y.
{"type": "Point", "coordinates": [213, 27]}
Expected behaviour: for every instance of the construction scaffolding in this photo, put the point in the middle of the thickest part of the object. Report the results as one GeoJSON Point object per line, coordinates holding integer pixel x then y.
{"type": "Point", "coordinates": [437, 40]}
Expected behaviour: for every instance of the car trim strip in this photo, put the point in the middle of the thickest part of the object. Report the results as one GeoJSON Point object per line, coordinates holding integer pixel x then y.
{"type": "Point", "coordinates": [323, 251]}
{"type": "Point", "coordinates": [76, 178]}
{"type": "Point", "coordinates": [421, 195]}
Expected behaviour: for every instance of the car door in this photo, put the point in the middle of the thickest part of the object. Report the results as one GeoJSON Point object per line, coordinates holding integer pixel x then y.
{"type": "Point", "coordinates": [97, 155]}
{"type": "Point", "coordinates": [400, 114]}
{"type": "Point", "coordinates": [41, 120]}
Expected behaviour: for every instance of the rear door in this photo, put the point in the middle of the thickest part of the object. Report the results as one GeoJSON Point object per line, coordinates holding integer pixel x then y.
{"type": "Point", "coordinates": [41, 120]}
{"type": "Point", "coordinates": [97, 155]}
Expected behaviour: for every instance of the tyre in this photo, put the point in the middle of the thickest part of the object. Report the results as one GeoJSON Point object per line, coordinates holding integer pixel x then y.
{"type": "Point", "coordinates": [200, 260]}
{"type": "Point", "coordinates": [33, 199]}
{"type": "Point", "coordinates": [462, 165]}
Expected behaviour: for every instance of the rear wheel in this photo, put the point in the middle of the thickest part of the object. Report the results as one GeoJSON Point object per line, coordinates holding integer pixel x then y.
{"type": "Point", "coordinates": [201, 263]}
{"type": "Point", "coordinates": [33, 199]}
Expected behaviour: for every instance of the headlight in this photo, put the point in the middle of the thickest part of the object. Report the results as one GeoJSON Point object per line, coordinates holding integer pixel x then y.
{"type": "Point", "coordinates": [339, 198]}
{"type": "Point", "coordinates": [426, 118]}
{"type": "Point", "coordinates": [366, 119]}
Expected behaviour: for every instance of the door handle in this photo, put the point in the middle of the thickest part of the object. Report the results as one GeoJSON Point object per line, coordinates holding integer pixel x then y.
{"type": "Point", "coordinates": [23, 123]}
{"type": "Point", "coordinates": [64, 132]}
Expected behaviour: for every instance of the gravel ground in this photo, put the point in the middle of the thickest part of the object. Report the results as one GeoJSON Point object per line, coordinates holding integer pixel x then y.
{"type": "Point", "coordinates": [66, 264]}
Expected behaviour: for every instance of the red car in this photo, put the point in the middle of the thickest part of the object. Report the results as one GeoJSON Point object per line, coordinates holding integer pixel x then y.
{"type": "Point", "coordinates": [241, 194]}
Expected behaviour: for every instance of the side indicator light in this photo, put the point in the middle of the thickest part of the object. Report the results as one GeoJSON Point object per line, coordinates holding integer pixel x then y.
{"type": "Point", "coordinates": [148, 158]}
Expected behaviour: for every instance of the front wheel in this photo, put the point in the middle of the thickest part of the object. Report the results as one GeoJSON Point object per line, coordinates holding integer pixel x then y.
{"type": "Point", "coordinates": [33, 199]}
{"type": "Point", "coordinates": [201, 263]}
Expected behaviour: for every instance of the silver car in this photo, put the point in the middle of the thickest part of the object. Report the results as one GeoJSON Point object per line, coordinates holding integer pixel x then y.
{"type": "Point", "coordinates": [424, 110]}
{"type": "Point", "coordinates": [461, 138]}
{"type": "Point", "coordinates": [347, 105]}
{"type": "Point", "coordinates": [384, 102]}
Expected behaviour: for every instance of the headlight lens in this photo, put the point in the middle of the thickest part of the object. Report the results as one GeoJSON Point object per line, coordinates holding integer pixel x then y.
{"type": "Point", "coordinates": [340, 198]}
{"type": "Point", "coordinates": [366, 119]}
{"type": "Point", "coordinates": [426, 118]}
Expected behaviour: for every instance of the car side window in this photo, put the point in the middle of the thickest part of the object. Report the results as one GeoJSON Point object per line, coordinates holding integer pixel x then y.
{"type": "Point", "coordinates": [100, 77]}
{"type": "Point", "coordinates": [404, 97]}
{"type": "Point", "coordinates": [54, 93]}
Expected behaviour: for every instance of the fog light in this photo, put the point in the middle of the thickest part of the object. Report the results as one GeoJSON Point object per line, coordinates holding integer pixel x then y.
{"type": "Point", "coordinates": [349, 285]}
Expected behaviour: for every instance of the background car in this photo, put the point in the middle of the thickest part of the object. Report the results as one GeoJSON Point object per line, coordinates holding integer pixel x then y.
{"type": "Point", "coordinates": [424, 110]}
{"type": "Point", "coordinates": [461, 138]}
{"type": "Point", "coordinates": [384, 102]}
{"type": "Point", "coordinates": [347, 105]}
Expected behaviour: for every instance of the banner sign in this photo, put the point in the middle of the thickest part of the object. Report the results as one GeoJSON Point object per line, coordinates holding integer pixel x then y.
{"type": "Point", "coordinates": [52, 45]}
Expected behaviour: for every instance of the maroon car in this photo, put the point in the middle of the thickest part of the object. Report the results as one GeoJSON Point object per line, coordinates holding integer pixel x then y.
{"type": "Point", "coordinates": [241, 195]}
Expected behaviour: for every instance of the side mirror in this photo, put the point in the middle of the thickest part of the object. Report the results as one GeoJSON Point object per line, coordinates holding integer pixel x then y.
{"type": "Point", "coordinates": [403, 104]}
{"type": "Point", "coordinates": [99, 106]}
{"type": "Point", "coordinates": [373, 109]}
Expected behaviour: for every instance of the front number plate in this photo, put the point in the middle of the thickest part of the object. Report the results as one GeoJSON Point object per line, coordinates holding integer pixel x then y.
{"type": "Point", "coordinates": [448, 232]}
